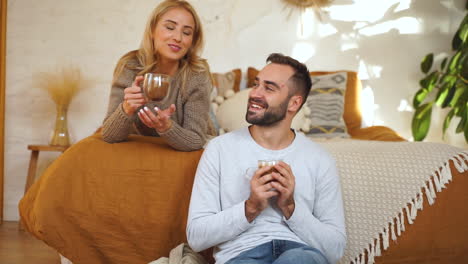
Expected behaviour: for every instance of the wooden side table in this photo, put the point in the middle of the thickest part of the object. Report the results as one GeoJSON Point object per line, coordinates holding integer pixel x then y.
{"type": "Point", "coordinates": [35, 149]}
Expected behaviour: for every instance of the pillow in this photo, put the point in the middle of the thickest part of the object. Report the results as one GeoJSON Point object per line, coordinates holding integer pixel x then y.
{"type": "Point", "coordinates": [326, 104]}
{"type": "Point", "coordinates": [225, 85]}
{"type": "Point", "coordinates": [231, 113]}
{"type": "Point", "coordinates": [251, 74]}
{"type": "Point", "coordinates": [352, 111]}
{"type": "Point", "coordinates": [230, 80]}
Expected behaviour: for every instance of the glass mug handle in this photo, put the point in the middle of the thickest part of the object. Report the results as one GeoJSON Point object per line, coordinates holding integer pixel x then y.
{"type": "Point", "coordinates": [249, 172]}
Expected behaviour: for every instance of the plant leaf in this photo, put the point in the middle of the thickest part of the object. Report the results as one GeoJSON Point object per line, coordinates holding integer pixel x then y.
{"type": "Point", "coordinates": [432, 81]}
{"type": "Point", "coordinates": [464, 64]}
{"type": "Point", "coordinates": [461, 124]}
{"type": "Point", "coordinates": [419, 97]}
{"type": "Point", "coordinates": [452, 67]}
{"type": "Point", "coordinates": [463, 32]}
{"type": "Point", "coordinates": [442, 94]}
{"type": "Point", "coordinates": [459, 89]}
{"type": "Point", "coordinates": [426, 63]}
{"type": "Point", "coordinates": [449, 97]}
{"type": "Point", "coordinates": [429, 81]}
{"type": "Point", "coordinates": [447, 120]}
{"type": "Point", "coordinates": [442, 65]}
{"type": "Point", "coordinates": [421, 121]}
{"type": "Point", "coordinates": [456, 41]}
{"type": "Point", "coordinates": [466, 132]}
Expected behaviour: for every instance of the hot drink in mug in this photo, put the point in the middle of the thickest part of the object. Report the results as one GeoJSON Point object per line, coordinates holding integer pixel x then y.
{"type": "Point", "coordinates": [156, 86]}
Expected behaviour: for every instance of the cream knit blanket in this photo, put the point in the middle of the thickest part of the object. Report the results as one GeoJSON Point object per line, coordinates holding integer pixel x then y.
{"type": "Point", "coordinates": [383, 183]}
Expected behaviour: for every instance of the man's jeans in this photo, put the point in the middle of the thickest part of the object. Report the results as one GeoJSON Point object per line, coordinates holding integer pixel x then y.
{"type": "Point", "coordinates": [280, 252]}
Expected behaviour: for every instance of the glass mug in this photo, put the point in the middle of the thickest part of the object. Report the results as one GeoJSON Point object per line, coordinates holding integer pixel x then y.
{"type": "Point", "coordinates": [156, 86]}
{"type": "Point", "coordinates": [262, 163]}
{"type": "Point", "coordinates": [265, 163]}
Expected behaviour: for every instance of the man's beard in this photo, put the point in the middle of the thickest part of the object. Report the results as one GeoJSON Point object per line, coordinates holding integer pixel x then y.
{"type": "Point", "coordinates": [271, 116]}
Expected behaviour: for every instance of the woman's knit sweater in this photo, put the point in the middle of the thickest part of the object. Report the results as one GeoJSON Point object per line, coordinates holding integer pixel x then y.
{"type": "Point", "coordinates": [191, 122]}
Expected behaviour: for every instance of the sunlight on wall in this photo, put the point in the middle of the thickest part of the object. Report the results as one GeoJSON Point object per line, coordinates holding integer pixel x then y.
{"type": "Point", "coordinates": [306, 24]}
{"type": "Point", "coordinates": [376, 71]}
{"type": "Point", "coordinates": [378, 122]}
{"type": "Point", "coordinates": [404, 4]}
{"type": "Point", "coordinates": [365, 10]}
{"type": "Point", "coordinates": [303, 51]}
{"type": "Point", "coordinates": [363, 74]}
{"type": "Point", "coordinates": [370, 18]}
{"type": "Point", "coordinates": [368, 106]}
{"type": "Point", "coordinates": [404, 25]}
{"type": "Point", "coordinates": [326, 30]}
{"type": "Point", "coordinates": [404, 106]}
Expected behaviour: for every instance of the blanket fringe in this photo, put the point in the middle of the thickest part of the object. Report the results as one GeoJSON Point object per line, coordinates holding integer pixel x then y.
{"type": "Point", "coordinates": [402, 222]}
{"type": "Point", "coordinates": [435, 184]}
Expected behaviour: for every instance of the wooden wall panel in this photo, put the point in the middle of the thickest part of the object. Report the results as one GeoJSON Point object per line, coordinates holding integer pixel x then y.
{"type": "Point", "coordinates": [3, 11]}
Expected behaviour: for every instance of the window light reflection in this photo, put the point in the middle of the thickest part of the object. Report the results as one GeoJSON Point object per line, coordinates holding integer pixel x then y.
{"type": "Point", "coordinates": [303, 51]}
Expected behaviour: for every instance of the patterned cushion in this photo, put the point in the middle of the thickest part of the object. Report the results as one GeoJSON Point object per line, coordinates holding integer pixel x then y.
{"type": "Point", "coordinates": [326, 104]}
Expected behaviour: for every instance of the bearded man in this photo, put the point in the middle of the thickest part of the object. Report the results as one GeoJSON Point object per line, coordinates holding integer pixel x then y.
{"type": "Point", "coordinates": [287, 212]}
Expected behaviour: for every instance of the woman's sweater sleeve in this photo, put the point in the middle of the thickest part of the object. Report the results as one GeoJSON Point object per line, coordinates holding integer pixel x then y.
{"type": "Point", "coordinates": [118, 125]}
{"type": "Point", "coordinates": [191, 134]}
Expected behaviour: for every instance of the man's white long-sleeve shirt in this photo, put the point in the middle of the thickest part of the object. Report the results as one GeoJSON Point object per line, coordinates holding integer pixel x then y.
{"type": "Point", "coordinates": [222, 185]}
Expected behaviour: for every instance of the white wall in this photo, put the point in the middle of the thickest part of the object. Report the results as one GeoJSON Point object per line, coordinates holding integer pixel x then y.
{"type": "Point", "coordinates": [384, 42]}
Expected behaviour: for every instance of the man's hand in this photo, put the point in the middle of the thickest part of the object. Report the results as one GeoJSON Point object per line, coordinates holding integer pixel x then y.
{"type": "Point", "coordinates": [260, 191]}
{"type": "Point", "coordinates": [284, 182]}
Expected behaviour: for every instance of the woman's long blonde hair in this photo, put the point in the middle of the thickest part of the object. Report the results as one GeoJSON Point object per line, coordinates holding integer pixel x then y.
{"type": "Point", "coordinates": [146, 54]}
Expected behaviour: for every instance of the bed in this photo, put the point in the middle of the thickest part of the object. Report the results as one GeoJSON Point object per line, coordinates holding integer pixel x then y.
{"type": "Point", "coordinates": [128, 202]}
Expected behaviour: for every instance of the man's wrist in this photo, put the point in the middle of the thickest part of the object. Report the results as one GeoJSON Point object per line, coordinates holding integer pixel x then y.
{"type": "Point", "coordinates": [251, 211]}
{"type": "Point", "coordinates": [288, 210]}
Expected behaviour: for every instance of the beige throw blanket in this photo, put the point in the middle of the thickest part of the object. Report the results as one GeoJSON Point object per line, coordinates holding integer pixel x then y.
{"type": "Point", "coordinates": [383, 184]}
{"type": "Point", "coordinates": [182, 254]}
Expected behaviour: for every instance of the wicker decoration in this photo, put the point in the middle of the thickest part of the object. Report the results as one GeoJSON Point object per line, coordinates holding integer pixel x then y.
{"type": "Point", "coordinates": [308, 3]}
{"type": "Point", "coordinates": [302, 5]}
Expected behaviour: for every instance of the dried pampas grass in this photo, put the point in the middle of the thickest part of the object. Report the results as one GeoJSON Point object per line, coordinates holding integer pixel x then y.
{"type": "Point", "coordinates": [62, 85]}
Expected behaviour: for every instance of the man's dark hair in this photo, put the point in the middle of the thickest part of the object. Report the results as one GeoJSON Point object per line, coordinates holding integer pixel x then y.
{"type": "Point", "coordinates": [301, 82]}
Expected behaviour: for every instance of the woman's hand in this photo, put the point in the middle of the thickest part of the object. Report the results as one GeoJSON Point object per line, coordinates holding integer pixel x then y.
{"type": "Point", "coordinates": [161, 122]}
{"type": "Point", "coordinates": [133, 97]}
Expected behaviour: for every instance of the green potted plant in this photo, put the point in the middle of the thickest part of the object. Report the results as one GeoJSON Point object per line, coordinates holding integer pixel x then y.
{"type": "Point", "coordinates": [445, 86]}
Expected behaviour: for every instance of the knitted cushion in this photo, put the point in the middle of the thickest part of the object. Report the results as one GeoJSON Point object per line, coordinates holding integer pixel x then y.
{"type": "Point", "coordinates": [326, 104]}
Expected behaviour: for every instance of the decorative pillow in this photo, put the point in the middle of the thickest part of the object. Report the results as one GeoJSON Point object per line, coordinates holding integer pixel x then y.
{"type": "Point", "coordinates": [326, 104]}
{"type": "Point", "coordinates": [231, 113]}
{"type": "Point", "coordinates": [227, 81]}
{"type": "Point", "coordinates": [225, 85]}
{"type": "Point", "coordinates": [251, 74]}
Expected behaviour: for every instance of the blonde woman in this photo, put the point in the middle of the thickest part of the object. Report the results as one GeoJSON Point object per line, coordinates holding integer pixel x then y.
{"type": "Point", "coordinates": [171, 43]}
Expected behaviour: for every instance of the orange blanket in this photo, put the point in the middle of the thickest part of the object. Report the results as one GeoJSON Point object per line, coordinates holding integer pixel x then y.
{"type": "Point", "coordinates": [113, 203]}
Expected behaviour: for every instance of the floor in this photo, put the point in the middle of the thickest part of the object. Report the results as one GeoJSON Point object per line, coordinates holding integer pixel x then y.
{"type": "Point", "coordinates": [19, 247]}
